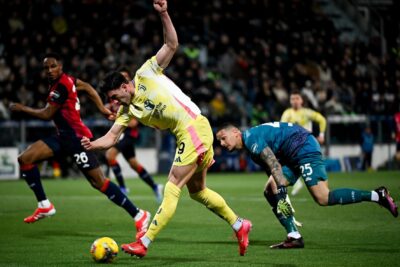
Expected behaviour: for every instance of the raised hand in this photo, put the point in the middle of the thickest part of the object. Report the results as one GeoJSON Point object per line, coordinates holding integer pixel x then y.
{"type": "Point", "coordinates": [160, 5]}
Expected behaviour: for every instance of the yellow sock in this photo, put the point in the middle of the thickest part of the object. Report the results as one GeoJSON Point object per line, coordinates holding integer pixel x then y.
{"type": "Point", "coordinates": [165, 211]}
{"type": "Point", "coordinates": [214, 202]}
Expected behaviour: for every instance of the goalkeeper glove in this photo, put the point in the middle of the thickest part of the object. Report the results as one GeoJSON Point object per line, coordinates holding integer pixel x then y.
{"type": "Point", "coordinates": [283, 206]}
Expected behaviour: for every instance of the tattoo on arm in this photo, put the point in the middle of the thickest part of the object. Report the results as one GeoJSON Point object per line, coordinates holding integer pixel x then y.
{"type": "Point", "coordinates": [274, 166]}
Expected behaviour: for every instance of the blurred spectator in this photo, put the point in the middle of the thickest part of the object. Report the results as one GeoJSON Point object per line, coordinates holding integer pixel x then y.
{"type": "Point", "coordinates": [396, 134]}
{"type": "Point", "coordinates": [367, 148]}
{"type": "Point", "coordinates": [257, 50]}
{"type": "Point", "coordinates": [4, 110]}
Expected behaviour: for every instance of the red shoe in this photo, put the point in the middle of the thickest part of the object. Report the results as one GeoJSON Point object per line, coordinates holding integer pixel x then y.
{"type": "Point", "coordinates": [243, 236]}
{"type": "Point", "coordinates": [386, 201]}
{"type": "Point", "coordinates": [135, 249]}
{"type": "Point", "coordinates": [41, 213]}
{"type": "Point", "coordinates": [289, 243]}
{"type": "Point", "coordinates": [142, 224]}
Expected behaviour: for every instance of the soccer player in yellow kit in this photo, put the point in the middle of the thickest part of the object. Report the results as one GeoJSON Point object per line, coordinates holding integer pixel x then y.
{"type": "Point", "coordinates": [304, 117]}
{"type": "Point", "coordinates": [157, 102]}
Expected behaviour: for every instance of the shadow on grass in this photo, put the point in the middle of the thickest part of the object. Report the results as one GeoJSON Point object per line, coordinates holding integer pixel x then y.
{"type": "Point", "coordinates": [253, 242]}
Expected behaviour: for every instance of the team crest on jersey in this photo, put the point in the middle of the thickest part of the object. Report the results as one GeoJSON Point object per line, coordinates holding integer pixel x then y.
{"type": "Point", "coordinates": [142, 87]}
{"type": "Point", "coordinates": [54, 95]}
{"type": "Point", "coordinates": [149, 105]}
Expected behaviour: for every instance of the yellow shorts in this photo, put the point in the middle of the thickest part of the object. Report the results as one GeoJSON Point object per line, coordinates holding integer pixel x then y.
{"type": "Point", "coordinates": [195, 145]}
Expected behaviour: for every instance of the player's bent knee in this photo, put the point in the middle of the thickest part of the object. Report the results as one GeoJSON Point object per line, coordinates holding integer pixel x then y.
{"type": "Point", "coordinates": [322, 201]}
{"type": "Point", "coordinates": [22, 160]}
{"type": "Point", "coordinates": [96, 183]}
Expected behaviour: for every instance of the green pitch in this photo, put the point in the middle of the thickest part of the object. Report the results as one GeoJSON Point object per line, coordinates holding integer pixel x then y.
{"type": "Point", "coordinates": [354, 235]}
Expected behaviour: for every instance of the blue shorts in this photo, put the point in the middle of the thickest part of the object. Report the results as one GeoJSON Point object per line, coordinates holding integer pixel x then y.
{"type": "Point", "coordinates": [71, 145]}
{"type": "Point", "coordinates": [308, 164]}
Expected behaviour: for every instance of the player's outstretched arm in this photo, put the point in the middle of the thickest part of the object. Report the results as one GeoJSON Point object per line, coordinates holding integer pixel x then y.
{"type": "Point", "coordinates": [46, 113]}
{"type": "Point", "coordinates": [106, 141]}
{"type": "Point", "coordinates": [167, 51]}
{"type": "Point", "coordinates": [94, 96]}
{"type": "Point", "coordinates": [275, 168]}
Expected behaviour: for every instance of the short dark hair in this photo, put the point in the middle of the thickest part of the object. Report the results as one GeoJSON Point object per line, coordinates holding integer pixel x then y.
{"type": "Point", "coordinates": [296, 92]}
{"type": "Point", "coordinates": [112, 81]}
{"type": "Point", "coordinates": [226, 125]}
{"type": "Point", "coordinates": [52, 55]}
{"type": "Point", "coordinates": [124, 68]}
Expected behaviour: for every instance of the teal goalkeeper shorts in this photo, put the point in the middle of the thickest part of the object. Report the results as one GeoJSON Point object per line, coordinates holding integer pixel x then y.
{"type": "Point", "coordinates": [308, 164]}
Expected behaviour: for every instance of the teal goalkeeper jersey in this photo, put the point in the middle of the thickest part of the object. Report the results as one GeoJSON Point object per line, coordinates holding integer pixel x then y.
{"type": "Point", "coordinates": [284, 139]}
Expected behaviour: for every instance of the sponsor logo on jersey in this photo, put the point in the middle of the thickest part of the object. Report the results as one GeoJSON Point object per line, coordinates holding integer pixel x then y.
{"type": "Point", "coordinates": [158, 113]}
{"type": "Point", "coordinates": [178, 159]}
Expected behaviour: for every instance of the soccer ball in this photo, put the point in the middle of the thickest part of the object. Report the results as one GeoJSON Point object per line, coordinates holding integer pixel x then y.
{"type": "Point", "coordinates": [104, 249]}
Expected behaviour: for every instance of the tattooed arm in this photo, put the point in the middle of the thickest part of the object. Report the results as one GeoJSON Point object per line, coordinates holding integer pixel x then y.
{"type": "Point", "coordinates": [274, 166]}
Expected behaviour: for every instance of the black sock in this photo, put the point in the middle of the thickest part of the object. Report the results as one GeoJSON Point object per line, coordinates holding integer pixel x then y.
{"type": "Point", "coordinates": [146, 177]}
{"type": "Point", "coordinates": [113, 192]}
{"type": "Point", "coordinates": [31, 175]}
{"type": "Point", "coordinates": [118, 174]}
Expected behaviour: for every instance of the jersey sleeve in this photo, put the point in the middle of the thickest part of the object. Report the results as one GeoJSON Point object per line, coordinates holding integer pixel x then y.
{"type": "Point", "coordinates": [252, 144]}
{"type": "Point", "coordinates": [150, 68]}
{"type": "Point", "coordinates": [58, 96]}
{"type": "Point", "coordinates": [123, 116]}
{"type": "Point", "coordinates": [318, 118]}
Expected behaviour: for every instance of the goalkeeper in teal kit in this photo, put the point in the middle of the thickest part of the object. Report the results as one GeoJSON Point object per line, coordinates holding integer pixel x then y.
{"type": "Point", "coordinates": [288, 152]}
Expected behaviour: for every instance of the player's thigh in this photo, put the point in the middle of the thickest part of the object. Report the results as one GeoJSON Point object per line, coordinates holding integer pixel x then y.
{"type": "Point", "coordinates": [85, 160]}
{"type": "Point", "coordinates": [194, 145]}
{"type": "Point", "coordinates": [197, 182]}
{"type": "Point", "coordinates": [36, 152]}
{"type": "Point", "coordinates": [312, 169]}
{"type": "Point", "coordinates": [180, 175]}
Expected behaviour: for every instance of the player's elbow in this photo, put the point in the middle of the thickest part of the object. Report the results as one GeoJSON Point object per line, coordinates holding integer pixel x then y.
{"type": "Point", "coordinates": [47, 116]}
{"type": "Point", "coordinates": [173, 46]}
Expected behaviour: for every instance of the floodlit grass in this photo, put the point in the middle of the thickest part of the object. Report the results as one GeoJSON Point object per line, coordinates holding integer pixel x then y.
{"type": "Point", "coordinates": [353, 235]}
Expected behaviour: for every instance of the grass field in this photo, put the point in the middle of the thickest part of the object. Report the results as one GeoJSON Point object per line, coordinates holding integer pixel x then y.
{"type": "Point", "coordinates": [353, 235]}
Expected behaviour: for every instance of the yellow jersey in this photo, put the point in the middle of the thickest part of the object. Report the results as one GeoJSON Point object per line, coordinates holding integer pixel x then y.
{"type": "Point", "coordinates": [158, 102]}
{"type": "Point", "coordinates": [304, 117]}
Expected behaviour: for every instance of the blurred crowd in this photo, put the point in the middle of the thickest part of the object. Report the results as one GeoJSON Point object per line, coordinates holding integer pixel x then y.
{"type": "Point", "coordinates": [238, 60]}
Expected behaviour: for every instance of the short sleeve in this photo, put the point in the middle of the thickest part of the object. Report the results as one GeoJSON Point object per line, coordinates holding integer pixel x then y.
{"type": "Point", "coordinates": [150, 68]}
{"type": "Point", "coordinates": [123, 116]}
